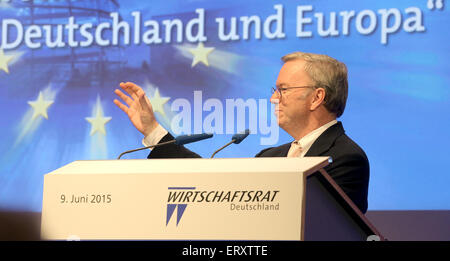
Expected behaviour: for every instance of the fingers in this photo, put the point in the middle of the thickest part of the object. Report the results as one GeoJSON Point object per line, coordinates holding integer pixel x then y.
{"type": "Point", "coordinates": [124, 97]}
{"type": "Point", "coordinates": [121, 106]}
{"type": "Point", "coordinates": [132, 86]}
{"type": "Point", "coordinates": [132, 89]}
{"type": "Point", "coordinates": [137, 94]}
{"type": "Point", "coordinates": [143, 102]}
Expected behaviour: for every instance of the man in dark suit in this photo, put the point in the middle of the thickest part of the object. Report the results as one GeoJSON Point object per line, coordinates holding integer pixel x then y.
{"type": "Point", "coordinates": [310, 94]}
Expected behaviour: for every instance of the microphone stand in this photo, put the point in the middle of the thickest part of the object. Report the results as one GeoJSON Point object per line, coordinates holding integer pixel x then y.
{"type": "Point", "coordinates": [226, 145]}
{"type": "Point", "coordinates": [148, 147]}
{"type": "Point", "coordinates": [180, 140]}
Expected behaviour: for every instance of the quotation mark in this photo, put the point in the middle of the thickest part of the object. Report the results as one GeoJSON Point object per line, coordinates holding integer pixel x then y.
{"type": "Point", "coordinates": [439, 4]}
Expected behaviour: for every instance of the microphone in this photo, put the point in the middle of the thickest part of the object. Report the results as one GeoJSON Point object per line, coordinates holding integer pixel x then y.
{"type": "Point", "coordinates": [185, 139]}
{"type": "Point", "coordinates": [180, 140]}
{"type": "Point", "coordinates": [236, 139]}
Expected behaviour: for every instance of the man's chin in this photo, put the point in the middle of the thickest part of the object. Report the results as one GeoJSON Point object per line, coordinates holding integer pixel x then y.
{"type": "Point", "coordinates": [280, 122]}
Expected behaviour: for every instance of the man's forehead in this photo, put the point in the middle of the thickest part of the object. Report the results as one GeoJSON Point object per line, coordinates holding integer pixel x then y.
{"type": "Point", "coordinates": [295, 65]}
{"type": "Point", "coordinates": [292, 72]}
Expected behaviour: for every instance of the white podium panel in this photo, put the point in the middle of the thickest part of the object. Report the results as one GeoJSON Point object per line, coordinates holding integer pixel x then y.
{"type": "Point", "coordinates": [179, 199]}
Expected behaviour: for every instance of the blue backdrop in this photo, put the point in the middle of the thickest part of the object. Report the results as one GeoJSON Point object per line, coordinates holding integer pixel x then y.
{"type": "Point", "coordinates": [60, 62]}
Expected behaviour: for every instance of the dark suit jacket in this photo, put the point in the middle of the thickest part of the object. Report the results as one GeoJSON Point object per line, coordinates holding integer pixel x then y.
{"type": "Point", "coordinates": [349, 169]}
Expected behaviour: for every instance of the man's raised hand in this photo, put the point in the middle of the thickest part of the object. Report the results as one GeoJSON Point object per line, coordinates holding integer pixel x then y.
{"type": "Point", "coordinates": [138, 107]}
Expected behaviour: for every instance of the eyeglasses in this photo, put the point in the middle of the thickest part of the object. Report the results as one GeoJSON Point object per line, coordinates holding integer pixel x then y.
{"type": "Point", "coordinates": [280, 90]}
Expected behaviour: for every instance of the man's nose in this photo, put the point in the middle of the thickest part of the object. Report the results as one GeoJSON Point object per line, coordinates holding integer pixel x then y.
{"type": "Point", "coordinates": [275, 98]}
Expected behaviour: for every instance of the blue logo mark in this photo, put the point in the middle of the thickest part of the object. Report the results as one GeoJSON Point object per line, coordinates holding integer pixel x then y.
{"type": "Point", "coordinates": [180, 207]}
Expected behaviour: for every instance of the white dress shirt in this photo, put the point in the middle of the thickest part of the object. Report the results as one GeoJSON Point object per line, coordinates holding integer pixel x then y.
{"type": "Point", "coordinates": [155, 136]}
{"type": "Point", "coordinates": [307, 141]}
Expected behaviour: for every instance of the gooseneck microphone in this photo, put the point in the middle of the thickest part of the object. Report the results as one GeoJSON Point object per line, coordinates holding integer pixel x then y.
{"type": "Point", "coordinates": [180, 140]}
{"type": "Point", "coordinates": [185, 139]}
{"type": "Point", "coordinates": [236, 139]}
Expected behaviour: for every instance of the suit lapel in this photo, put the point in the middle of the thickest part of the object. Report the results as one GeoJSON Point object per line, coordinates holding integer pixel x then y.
{"type": "Point", "coordinates": [326, 140]}
{"type": "Point", "coordinates": [285, 149]}
{"type": "Point", "coordinates": [280, 151]}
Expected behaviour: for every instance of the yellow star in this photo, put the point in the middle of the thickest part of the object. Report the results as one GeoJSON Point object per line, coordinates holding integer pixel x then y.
{"type": "Point", "coordinates": [201, 54]}
{"type": "Point", "coordinates": [4, 60]}
{"type": "Point", "coordinates": [158, 102]}
{"type": "Point", "coordinates": [98, 122]}
{"type": "Point", "coordinates": [40, 106]}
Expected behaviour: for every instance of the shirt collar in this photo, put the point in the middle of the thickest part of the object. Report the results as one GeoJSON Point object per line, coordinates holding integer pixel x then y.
{"type": "Point", "coordinates": [306, 142]}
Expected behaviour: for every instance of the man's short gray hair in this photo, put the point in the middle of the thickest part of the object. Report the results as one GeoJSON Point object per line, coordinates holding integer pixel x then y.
{"type": "Point", "coordinates": [327, 73]}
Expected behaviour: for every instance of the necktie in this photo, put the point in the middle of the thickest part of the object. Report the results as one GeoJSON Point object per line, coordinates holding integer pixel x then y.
{"type": "Point", "coordinates": [295, 151]}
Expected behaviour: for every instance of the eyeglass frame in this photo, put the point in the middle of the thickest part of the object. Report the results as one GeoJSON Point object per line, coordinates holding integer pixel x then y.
{"type": "Point", "coordinates": [280, 89]}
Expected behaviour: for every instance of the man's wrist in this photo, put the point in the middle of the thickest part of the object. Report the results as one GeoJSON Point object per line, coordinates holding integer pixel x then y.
{"type": "Point", "coordinates": [155, 136]}
{"type": "Point", "coordinates": [149, 130]}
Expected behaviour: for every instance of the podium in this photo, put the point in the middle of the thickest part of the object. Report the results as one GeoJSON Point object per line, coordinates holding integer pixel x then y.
{"type": "Point", "coordinates": [199, 199]}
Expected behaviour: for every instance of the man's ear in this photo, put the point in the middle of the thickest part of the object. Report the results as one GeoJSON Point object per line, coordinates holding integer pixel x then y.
{"type": "Point", "coordinates": [318, 98]}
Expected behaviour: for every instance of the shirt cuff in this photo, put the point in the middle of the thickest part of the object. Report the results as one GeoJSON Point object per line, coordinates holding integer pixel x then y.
{"type": "Point", "coordinates": [155, 136]}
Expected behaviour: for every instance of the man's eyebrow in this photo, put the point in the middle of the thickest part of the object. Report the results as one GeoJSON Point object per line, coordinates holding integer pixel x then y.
{"type": "Point", "coordinates": [282, 85]}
